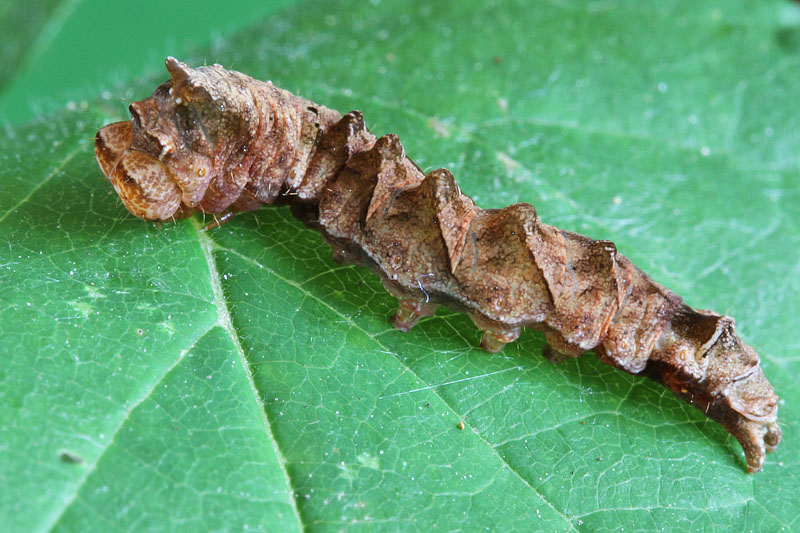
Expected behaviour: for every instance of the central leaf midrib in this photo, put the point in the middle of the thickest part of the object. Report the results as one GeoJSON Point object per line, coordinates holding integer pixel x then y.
{"type": "Point", "coordinates": [224, 320]}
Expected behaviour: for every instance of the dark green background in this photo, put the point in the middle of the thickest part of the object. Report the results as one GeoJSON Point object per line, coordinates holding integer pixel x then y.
{"type": "Point", "coordinates": [83, 47]}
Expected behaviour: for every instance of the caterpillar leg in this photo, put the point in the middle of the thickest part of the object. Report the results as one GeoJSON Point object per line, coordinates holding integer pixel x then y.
{"type": "Point", "coordinates": [751, 435]}
{"type": "Point", "coordinates": [755, 436]}
{"type": "Point", "coordinates": [495, 335]}
{"type": "Point", "coordinates": [494, 340]}
{"type": "Point", "coordinates": [343, 256]}
{"type": "Point", "coordinates": [773, 437]}
{"type": "Point", "coordinates": [558, 350]}
{"type": "Point", "coordinates": [219, 220]}
{"type": "Point", "coordinates": [409, 311]}
{"type": "Point", "coordinates": [553, 355]}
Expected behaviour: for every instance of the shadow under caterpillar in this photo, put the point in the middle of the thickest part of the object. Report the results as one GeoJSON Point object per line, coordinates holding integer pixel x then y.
{"type": "Point", "coordinates": [218, 141]}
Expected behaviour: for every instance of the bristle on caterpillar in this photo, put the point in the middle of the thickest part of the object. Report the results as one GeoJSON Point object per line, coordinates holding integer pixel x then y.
{"type": "Point", "coordinates": [216, 141]}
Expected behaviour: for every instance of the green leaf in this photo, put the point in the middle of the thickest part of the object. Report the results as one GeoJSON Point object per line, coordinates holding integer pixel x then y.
{"type": "Point", "coordinates": [21, 23]}
{"type": "Point", "coordinates": [80, 48]}
{"type": "Point", "coordinates": [164, 378]}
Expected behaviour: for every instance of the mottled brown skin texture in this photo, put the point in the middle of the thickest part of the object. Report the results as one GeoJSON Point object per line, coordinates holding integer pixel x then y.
{"type": "Point", "coordinates": [217, 141]}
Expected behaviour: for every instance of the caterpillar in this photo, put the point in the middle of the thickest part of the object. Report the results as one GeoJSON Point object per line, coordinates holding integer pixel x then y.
{"type": "Point", "coordinates": [218, 141]}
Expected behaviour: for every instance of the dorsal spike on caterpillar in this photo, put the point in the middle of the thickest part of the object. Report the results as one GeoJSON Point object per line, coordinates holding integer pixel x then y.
{"type": "Point", "coordinates": [216, 140]}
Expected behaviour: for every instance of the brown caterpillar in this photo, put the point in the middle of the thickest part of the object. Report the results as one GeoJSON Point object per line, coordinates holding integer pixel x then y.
{"type": "Point", "coordinates": [217, 141]}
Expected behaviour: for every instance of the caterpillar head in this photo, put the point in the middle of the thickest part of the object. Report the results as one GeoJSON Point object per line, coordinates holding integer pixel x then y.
{"type": "Point", "coordinates": [162, 161]}
{"type": "Point", "coordinates": [142, 181]}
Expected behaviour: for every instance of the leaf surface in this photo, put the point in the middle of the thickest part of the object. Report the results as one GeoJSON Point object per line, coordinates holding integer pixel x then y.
{"type": "Point", "coordinates": [22, 23]}
{"type": "Point", "coordinates": [167, 378]}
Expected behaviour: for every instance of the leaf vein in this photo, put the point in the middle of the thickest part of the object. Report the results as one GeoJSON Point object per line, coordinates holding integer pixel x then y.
{"type": "Point", "coordinates": [369, 335]}
{"type": "Point", "coordinates": [224, 321]}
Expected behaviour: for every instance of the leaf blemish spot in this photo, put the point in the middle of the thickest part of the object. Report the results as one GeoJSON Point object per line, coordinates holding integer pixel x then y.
{"type": "Point", "coordinates": [70, 457]}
